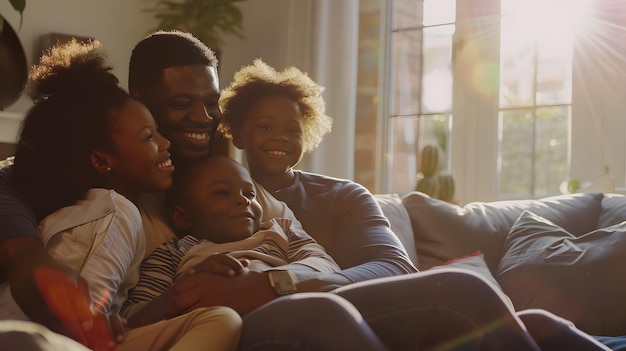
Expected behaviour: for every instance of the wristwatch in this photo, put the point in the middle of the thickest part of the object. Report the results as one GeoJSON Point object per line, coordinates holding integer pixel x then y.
{"type": "Point", "coordinates": [282, 282]}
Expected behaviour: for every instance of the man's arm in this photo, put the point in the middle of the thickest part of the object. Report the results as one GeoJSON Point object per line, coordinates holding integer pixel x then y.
{"type": "Point", "coordinates": [30, 270]}
{"type": "Point", "coordinates": [66, 307]}
{"type": "Point", "coordinates": [243, 292]}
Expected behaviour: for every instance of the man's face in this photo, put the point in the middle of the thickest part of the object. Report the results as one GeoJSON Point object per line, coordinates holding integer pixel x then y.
{"type": "Point", "coordinates": [185, 107]}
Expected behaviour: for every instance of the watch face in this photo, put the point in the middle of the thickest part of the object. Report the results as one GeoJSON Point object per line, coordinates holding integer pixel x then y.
{"type": "Point", "coordinates": [282, 282]}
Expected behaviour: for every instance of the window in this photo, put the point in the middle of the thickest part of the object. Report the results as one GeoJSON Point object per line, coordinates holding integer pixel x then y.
{"type": "Point", "coordinates": [420, 108]}
{"type": "Point", "coordinates": [518, 95]}
{"type": "Point", "coordinates": [535, 94]}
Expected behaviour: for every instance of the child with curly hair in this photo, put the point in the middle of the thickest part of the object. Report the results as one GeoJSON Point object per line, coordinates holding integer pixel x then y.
{"type": "Point", "coordinates": [276, 117]}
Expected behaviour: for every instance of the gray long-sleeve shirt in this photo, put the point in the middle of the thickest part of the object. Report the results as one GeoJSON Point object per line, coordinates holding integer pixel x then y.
{"type": "Point", "coordinates": [346, 220]}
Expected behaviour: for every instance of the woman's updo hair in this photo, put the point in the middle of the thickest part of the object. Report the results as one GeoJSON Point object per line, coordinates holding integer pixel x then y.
{"type": "Point", "coordinates": [75, 96]}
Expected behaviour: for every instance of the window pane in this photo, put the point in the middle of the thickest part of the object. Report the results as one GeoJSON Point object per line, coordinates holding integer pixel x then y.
{"type": "Point", "coordinates": [533, 152]}
{"type": "Point", "coordinates": [439, 12]}
{"type": "Point", "coordinates": [402, 162]}
{"type": "Point", "coordinates": [516, 152]}
{"type": "Point", "coordinates": [437, 85]}
{"type": "Point", "coordinates": [434, 130]}
{"type": "Point", "coordinates": [407, 69]}
{"type": "Point", "coordinates": [407, 14]}
{"type": "Point", "coordinates": [551, 148]}
{"type": "Point", "coordinates": [554, 71]}
{"type": "Point", "coordinates": [517, 70]}
{"type": "Point", "coordinates": [409, 135]}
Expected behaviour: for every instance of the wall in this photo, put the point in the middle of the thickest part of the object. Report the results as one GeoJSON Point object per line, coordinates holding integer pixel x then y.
{"type": "Point", "coordinates": [321, 38]}
{"type": "Point", "coordinates": [118, 24]}
{"type": "Point", "coordinates": [318, 36]}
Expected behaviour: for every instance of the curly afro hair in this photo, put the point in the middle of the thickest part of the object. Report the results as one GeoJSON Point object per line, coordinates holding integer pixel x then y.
{"type": "Point", "coordinates": [260, 80]}
{"type": "Point", "coordinates": [74, 93]}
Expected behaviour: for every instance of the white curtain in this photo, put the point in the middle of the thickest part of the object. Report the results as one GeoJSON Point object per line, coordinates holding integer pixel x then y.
{"type": "Point", "coordinates": [330, 55]}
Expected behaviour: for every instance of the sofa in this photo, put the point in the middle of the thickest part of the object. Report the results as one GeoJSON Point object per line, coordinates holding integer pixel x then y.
{"type": "Point", "coordinates": [565, 253]}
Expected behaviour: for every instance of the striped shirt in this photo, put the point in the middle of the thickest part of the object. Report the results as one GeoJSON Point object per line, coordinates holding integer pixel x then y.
{"type": "Point", "coordinates": [272, 246]}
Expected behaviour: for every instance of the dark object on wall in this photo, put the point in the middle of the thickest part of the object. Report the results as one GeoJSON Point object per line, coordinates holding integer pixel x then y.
{"type": "Point", "coordinates": [13, 67]}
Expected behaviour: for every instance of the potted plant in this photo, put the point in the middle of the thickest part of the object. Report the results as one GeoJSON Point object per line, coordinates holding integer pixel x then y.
{"type": "Point", "coordinates": [19, 6]}
{"type": "Point", "coordinates": [208, 20]}
{"type": "Point", "coordinates": [13, 66]}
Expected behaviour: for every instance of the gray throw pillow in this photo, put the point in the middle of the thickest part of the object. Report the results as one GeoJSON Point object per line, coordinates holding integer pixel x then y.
{"type": "Point", "coordinates": [444, 231]}
{"type": "Point", "coordinates": [580, 278]}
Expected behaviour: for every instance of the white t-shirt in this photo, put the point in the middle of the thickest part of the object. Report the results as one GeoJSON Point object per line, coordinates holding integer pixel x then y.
{"type": "Point", "coordinates": [101, 238]}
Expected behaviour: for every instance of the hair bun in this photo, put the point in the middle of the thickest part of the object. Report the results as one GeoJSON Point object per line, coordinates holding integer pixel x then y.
{"type": "Point", "coordinates": [70, 70]}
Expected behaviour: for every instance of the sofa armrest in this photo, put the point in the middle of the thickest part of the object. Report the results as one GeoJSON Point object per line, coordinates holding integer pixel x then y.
{"type": "Point", "coordinates": [398, 217]}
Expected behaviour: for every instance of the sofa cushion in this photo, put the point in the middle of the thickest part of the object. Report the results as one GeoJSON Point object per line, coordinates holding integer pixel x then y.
{"type": "Point", "coordinates": [444, 231]}
{"type": "Point", "coordinates": [613, 210]}
{"type": "Point", "coordinates": [580, 278]}
{"type": "Point", "coordinates": [398, 217]}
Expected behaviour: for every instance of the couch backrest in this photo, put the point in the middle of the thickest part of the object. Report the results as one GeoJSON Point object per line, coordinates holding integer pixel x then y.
{"type": "Point", "coordinates": [443, 231]}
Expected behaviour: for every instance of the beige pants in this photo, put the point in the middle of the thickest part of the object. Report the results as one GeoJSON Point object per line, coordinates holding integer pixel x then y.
{"type": "Point", "coordinates": [211, 328]}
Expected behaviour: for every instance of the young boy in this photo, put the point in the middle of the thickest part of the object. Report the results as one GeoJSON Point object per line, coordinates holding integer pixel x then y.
{"type": "Point", "coordinates": [214, 209]}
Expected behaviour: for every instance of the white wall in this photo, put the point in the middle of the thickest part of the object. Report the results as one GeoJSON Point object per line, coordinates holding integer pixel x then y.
{"type": "Point", "coordinates": [319, 37]}
{"type": "Point", "coordinates": [310, 34]}
{"type": "Point", "coordinates": [118, 24]}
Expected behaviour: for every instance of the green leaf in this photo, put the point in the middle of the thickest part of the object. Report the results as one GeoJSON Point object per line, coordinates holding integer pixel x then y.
{"type": "Point", "coordinates": [19, 6]}
{"type": "Point", "coordinates": [206, 19]}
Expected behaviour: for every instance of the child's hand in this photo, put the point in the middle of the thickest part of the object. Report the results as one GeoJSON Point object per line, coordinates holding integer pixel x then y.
{"type": "Point", "coordinates": [221, 264]}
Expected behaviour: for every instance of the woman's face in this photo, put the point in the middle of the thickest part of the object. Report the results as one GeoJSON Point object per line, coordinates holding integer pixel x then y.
{"type": "Point", "coordinates": [141, 160]}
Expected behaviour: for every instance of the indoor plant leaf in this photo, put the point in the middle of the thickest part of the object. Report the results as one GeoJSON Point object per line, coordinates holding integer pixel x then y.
{"type": "Point", "coordinates": [206, 19]}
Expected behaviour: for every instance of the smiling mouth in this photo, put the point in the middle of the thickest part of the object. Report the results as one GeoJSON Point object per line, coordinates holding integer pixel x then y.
{"type": "Point", "coordinates": [201, 136]}
{"type": "Point", "coordinates": [277, 152]}
{"type": "Point", "coordinates": [165, 164]}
